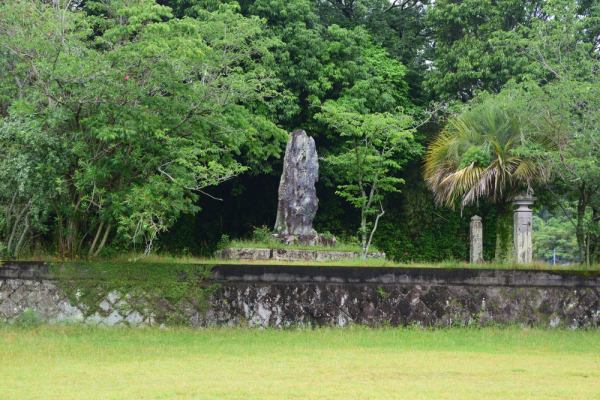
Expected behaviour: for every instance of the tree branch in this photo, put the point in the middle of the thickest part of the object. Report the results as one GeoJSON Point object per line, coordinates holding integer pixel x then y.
{"type": "Point", "coordinates": [381, 213]}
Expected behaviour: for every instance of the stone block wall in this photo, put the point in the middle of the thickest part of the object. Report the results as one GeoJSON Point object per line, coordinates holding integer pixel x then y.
{"type": "Point", "coordinates": [277, 296]}
{"type": "Point", "coordinates": [48, 301]}
{"type": "Point", "coordinates": [304, 255]}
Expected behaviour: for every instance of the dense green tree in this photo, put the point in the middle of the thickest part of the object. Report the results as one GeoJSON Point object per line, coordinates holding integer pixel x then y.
{"type": "Point", "coordinates": [398, 26]}
{"type": "Point", "coordinates": [142, 112]}
{"type": "Point", "coordinates": [319, 62]}
{"type": "Point", "coordinates": [554, 107]}
{"type": "Point", "coordinates": [565, 113]}
{"type": "Point", "coordinates": [554, 239]}
{"type": "Point", "coordinates": [26, 181]}
{"type": "Point", "coordinates": [478, 45]}
{"type": "Point", "coordinates": [376, 145]}
{"type": "Point", "coordinates": [482, 45]}
{"type": "Point", "coordinates": [122, 118]}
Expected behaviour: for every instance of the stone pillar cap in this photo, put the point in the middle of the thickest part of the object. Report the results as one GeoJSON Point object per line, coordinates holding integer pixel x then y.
{"type": "Point", "coordinates": [524, 199]}
{"type": "Point", "coordinates": [476, 218]}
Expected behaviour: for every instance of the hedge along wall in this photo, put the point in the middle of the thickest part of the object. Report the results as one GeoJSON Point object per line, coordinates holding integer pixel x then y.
{"type": "Point", "coordinates": [283, 296]}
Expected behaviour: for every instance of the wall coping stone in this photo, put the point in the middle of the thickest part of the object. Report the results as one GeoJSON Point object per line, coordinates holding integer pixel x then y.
{"type": "Point", "coordinates": [286, 274]}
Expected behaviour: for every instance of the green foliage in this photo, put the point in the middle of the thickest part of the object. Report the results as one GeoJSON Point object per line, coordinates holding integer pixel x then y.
{"type": "Point", "coordinates": [224, 242]}
{"type": "Point", "coordinates": [137, 112]}
{"type": "Point", "coordinates": [483, 45]}
{"type": "Point", "coordinates": [328, 236]}
{"type": "Point", "coordinates": [29, 318]}
{"type": "Point", "coordinates": [431, 233]}
{"type": "Point", "coordinates": [262, 234]}
{"type": "Point", "coordinates": [398, 26]}
{"type": "Point", "coordinates": [480, 156]}
{"type": "Point", "coordinates": [26, 180]}
{"type": "Point", "coordinates": [563, 115]}
{"type": "Point", "coordinates": [382, 293]}
{"type": "Point", "coordinates": [121, 120]}
{"type": "Point", "coordinates": [568, 120]}
{"type": "Point", "coordinates": [477, 155]}
{"type": "Point", "coordinates": [320, 62]}
{"type": "Point", "coordinates": [555, 237]}
{"type": "Point", "coordinates": [262, 237]}
{"type": "Point", "coordinates": [376, 146]}
{"type": "Point", "coordinates": [478, 45]}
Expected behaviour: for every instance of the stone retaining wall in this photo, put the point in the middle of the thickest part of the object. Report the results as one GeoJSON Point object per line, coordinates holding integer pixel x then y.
{"type": "Point", "coordinates": [254, 254]}
{"type": "Point", "coordinates": [282, 296]}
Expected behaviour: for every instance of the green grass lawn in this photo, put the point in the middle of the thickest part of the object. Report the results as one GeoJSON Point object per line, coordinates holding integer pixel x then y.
{"type": "Point", "coordinates": [132, 258]}
{"type": "Point", "coordinates": [76, 362]}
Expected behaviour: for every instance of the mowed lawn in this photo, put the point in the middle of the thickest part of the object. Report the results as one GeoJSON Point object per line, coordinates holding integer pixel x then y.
{"type": "Point", "coordinates": [75, 362]}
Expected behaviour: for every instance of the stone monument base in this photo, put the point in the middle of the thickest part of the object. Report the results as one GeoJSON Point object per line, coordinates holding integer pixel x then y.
{"type": "Point", "coordinates": [308, 240]}
{"type": "Point", "coordinates": [250, 254]}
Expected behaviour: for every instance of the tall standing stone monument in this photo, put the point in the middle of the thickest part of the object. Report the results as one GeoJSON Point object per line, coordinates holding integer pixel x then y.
{"type": "Point", "coordinates": [476, 236]}
{"type": "Point", "coordinates": [298, 201]}
{"type": "Point", "coordinates": [523, 229]}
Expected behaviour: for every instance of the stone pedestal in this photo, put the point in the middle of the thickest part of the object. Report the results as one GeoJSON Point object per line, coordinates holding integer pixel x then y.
{"type": "Point", "coordinates": [523, 215]}
{"type": "Point", "coordinates": [255, 254]}
{"type": "Point", "coordinates": [476, 240]}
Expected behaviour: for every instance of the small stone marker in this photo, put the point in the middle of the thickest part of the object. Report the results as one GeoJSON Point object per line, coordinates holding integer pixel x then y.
{"type": "Point", "coordinates": [476, 235]}
{"type": "Point", "coordinates": [523, 229]}
{"type": "Point", "coordinates": [298, 201]}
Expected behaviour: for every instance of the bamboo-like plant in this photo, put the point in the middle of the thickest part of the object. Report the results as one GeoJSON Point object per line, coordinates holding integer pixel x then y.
{"type": "Point", "coordinates": [481, 155]}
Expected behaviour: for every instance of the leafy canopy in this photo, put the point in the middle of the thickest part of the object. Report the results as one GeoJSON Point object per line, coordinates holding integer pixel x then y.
{"type": "Point", "coordinates": [141, 110]}
{"type": "Point", "coordinates": [376, 146]}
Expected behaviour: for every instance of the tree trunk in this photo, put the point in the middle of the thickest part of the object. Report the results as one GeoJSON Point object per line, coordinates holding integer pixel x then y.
{"type": "Point", "coordinates": [593, 251]}
{"type": "Point", "coordinates": [504, 234]}
{"type": "Point", "coordinates": [19, 244]}
{"type": "Point", "coordinates": [95, 241]}
{"type": "Point", "coordinates": [582, 204]}
{"type": "Point", "coordinates": [103, 242]}
{"type": "Point", "coordinates": [363, 234]}
{"type": "Point", "coordinates": [379, 215]}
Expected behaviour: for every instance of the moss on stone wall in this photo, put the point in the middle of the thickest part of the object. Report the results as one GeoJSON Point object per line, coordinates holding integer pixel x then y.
{"type": "Point", "coordinates": [166, 294]}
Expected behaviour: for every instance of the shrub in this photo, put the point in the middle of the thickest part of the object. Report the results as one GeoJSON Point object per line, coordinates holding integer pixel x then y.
{"type": "Point", "coordinates": [262, 234]}
{"type": "Point", "coordinates": [224, 242]}
{"type": "Point", "coordinates": [28, 318]}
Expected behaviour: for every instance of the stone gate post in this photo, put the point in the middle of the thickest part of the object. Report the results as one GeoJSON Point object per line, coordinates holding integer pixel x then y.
{"type": "Point", "coordinates": [476, 240]}
{"type": "Point", "coordinates": [522, 229]}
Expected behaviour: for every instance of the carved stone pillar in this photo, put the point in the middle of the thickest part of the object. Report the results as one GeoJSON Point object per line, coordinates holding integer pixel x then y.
{"type": "Point", "coordinates": [523, 216]}
{"type": "Point", "coordinates": [476, 240]}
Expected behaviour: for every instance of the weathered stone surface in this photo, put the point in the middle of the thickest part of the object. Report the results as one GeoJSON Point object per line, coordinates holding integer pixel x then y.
{"type": "Point", "coordinates": [523, 229]}
{"type": "Point", "coordinates": [294, 255]}
{"type": "Point", "coordinates": [337, 296]}
{"type": "Point", "coordinates": [298, 201]}
{"type": "Point", "coordinates": [232, 253]}
{"type": "Point", "coordinates": [252, 254]}
{"type": "Point", "coordinates": [476, 240]}
{"type": "Point", "coordinates": [134, 318]}
{"type": "Point", "coordinates": [315, 304]}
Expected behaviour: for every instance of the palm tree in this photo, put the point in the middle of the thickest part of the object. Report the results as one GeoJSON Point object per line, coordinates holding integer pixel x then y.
{"type": "Point", "coordinates": [479, 156]}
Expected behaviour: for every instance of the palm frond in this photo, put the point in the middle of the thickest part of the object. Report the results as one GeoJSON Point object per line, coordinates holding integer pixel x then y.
{"type": "Point", "coordinates": [494, 130]}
